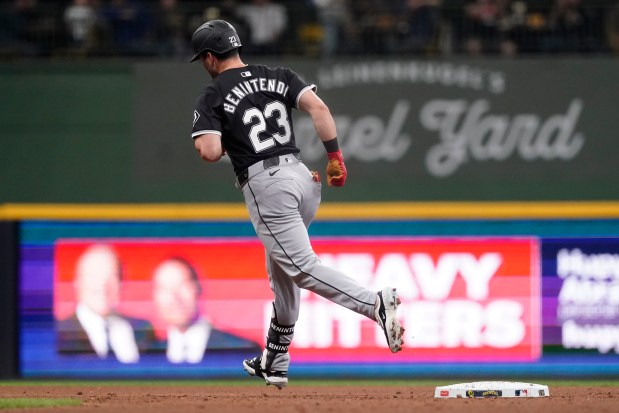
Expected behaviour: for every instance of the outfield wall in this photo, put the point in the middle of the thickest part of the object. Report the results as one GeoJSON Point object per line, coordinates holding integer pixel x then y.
{"type": "Point", "coordinates": [503, 297]}
{"type": "Point", "coordinates": [498, 165]}
{"type": "Point", "coordinates": [411, 130]}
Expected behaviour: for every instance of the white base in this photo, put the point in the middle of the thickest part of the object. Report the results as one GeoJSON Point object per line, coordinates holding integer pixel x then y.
{"type": "Point", "coordinates": [486, 389]}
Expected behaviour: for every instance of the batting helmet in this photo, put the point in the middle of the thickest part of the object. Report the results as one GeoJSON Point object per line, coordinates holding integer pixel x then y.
{"type": "Point", "coordinates": [216, 36]}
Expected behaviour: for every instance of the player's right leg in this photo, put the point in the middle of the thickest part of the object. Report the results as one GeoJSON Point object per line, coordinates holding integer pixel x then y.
{"type": "Point", "coordinates": [272, 365]}
{"type": "Point", "coordinates": [258, 367]}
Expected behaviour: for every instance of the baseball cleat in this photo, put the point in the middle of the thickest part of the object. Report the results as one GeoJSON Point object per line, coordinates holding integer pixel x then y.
{"type": "Point", "coordinates": [278, 379]}
{"type": "Point", "coordinates": [387, 319]}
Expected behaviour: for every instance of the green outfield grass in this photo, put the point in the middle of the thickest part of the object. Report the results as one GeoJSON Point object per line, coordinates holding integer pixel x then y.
{"type": "Point", "coordinates": [24, 403]}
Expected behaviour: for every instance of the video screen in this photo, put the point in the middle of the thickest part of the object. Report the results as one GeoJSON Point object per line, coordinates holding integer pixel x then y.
{"type": "Point", "coordinates": [581, 295]}
{"type": "Point", "coordinates": [192, 300]}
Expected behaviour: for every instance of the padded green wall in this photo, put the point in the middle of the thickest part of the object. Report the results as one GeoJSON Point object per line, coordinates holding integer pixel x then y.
{"type": "Point", "coordinates": [65, 133]}
{"type": "Point", "coordinates": [120, 132]}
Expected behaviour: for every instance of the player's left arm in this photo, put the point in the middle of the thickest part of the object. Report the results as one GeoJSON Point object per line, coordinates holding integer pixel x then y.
{"type": "Point", "coordinates": [209, 147]}
{"type": "Point", "coordinates": [324, 123]}
{"type": "Point", "coordinates": [325, 128]}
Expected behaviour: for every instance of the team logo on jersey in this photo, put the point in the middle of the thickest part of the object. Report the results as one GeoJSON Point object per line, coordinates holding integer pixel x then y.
{"type": "Point", "coordinates": [196, 116]}
{"type": "Point", "coordinates": [246, 74]}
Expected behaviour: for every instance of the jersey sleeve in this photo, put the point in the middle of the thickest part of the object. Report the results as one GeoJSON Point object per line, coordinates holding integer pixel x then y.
{"type": "Point", "coordinates": [298, 86]}
{"type": "Point", "coordinates": [206, 117]}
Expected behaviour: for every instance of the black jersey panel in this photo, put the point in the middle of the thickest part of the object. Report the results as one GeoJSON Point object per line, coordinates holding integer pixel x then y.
{"type": "Point", "coordinates": [252, 107]}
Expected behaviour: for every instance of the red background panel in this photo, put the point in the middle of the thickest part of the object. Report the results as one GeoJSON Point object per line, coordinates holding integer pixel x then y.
{"type": "Point", "coordinates": [237, 296]}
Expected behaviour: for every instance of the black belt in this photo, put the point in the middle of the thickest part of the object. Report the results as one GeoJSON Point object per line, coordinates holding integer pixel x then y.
{"type": "Point", "coordinates": [243, 176]}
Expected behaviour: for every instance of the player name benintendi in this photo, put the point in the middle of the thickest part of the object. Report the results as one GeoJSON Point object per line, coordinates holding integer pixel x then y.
{"type": "Point", "coordinates": [247, 87]}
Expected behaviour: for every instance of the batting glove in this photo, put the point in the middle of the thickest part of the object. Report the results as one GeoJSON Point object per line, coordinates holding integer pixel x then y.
{"type": "Point", "coordinates": [336, 170]}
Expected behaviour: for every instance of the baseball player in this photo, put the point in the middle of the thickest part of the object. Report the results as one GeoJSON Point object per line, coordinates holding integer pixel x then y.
{"type": "Point", "coordinates": [246, 113]}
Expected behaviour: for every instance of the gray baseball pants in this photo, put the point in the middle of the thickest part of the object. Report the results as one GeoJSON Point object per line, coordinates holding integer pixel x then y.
{"type": "Point", "coordinates": [282, 202]}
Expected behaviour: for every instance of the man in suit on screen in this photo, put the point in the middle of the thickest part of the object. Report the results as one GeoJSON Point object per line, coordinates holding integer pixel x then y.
{"type": "Point", "coordinates": [96, 327]}
{"type": "Point", "coordinates": [190, 336]}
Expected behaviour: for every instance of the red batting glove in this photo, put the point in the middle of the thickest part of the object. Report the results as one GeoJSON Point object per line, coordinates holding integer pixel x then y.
{"type": "Point", "coordinates": [336, 170]}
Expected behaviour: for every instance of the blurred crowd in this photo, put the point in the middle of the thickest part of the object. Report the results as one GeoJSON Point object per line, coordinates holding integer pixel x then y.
{"type": "Point", "coordinates": [316, 28]}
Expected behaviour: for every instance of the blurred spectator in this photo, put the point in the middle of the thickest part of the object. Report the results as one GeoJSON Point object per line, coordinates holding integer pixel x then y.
{"type": "Point", "coordinates": [337, 24]}
{"type": "Point", "coordinates": [519, 33]}
{"type": "Point", "coordinates": [8, 31]}
{"type": "Point", "coordinates": [130, 26]}
{"type": "Point", "coordinates": [376, 20]}
{"type": "Point", "coordinates": [267, 23]}
{"type": "Point", "coordinates": [170, 26]}
{"type": "Point", "coordinates": [568, 27]}
{"type": "Point", "coordinates": [487, 27]}
{"type": "Point", "coordinates": [80, 18]}
{"type": "Point", "coordinates": [418, 27]}
{"type": "Point", "coordinates": [33, 30]}
{"type": "Point", "coordinates": [612, 29]}
{"type": "Point", "coordinates": [480, 27]}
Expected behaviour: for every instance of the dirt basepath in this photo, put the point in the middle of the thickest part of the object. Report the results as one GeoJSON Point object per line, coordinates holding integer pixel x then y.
{"type": "Point", "coordinates": [304, 399]}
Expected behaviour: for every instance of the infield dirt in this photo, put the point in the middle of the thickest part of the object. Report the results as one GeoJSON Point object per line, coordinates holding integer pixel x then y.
{"type": "Point", "coordinates": [303, 398]}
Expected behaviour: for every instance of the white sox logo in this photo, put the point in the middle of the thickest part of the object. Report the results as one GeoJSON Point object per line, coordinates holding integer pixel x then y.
{"type": "Point", "coordinates": [196, 116]}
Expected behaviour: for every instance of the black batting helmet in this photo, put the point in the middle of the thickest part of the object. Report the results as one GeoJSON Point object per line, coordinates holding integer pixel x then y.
{"type": "Point", "coordinates": [216, 36]}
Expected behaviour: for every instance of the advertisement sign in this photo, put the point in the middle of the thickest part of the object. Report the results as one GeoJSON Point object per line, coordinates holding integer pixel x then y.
{"type": "Point", "coordinates": [415, 130]}
{"type": "Point", "coordinates": [582, 277]}
{"type": "Point", "coordinates": [489, 305]}
{"type": "Point", "coordinates": [462, 299]}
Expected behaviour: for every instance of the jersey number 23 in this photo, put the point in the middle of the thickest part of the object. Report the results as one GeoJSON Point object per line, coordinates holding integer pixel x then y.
{"type": "Point", "coordinates": [257, 119]}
